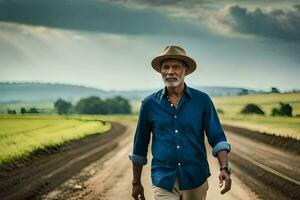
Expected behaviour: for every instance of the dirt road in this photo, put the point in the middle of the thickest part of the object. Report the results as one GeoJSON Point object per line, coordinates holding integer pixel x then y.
{"type": "Point", "coordinates": [98, 167]}
{"type": "Point", "coordinates": [110, 178]}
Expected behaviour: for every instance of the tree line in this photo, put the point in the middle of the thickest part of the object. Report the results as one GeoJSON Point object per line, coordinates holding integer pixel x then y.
{"type": "Point", "coordinates": [88, 105]}
{"type": "Point", "coordinates": [94, 105]}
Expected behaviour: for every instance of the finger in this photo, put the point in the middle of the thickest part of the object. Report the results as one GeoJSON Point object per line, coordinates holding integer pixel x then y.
{"type": "Point", "coordinates": [221, 180]}
{"type": "Point", "coordinates": [142, 197]}
{"type": "Point", "coordinates": [227, 185]}
{"type": "Point", "coordinates": [135, 196]}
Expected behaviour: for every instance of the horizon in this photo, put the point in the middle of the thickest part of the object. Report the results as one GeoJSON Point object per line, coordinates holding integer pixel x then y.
{"type": "Point", "coordinates": [243, 44]}
{"type": "Point", "coordinates": [145, 89]}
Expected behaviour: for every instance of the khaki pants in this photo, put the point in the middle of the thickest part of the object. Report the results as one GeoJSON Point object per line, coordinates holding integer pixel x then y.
{"type": "Point", "coordinates": [198, 193]}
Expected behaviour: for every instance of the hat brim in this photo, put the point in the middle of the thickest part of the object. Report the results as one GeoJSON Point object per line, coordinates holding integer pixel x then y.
{"type": "Point", "coordinates": [156, 62]}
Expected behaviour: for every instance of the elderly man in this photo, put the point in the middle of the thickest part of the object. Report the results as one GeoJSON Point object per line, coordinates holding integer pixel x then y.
{"type": "Point", "coordinates": [177, 116]}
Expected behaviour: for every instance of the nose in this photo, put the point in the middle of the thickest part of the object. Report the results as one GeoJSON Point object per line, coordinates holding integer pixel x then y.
{"type": "Point", "coordinates": [170, 71]}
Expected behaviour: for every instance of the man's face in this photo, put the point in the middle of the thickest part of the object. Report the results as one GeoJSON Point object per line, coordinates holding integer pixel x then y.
{"type": "Point", "coordinates": [173, 72]}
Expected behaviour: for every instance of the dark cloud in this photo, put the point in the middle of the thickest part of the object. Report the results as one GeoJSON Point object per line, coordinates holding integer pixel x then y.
{"type": "Point", "coordinates": [93, 15]}
{"type": "Point", "coordinates": [297, 7]}
{"type": "Point", "coordinates": [152, 2]}
{"type": "Point", "coordinates": [275, 23]}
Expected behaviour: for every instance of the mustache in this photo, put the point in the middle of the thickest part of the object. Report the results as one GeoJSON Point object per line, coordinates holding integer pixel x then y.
{"type": "Point", "coordinates": [171, 77]}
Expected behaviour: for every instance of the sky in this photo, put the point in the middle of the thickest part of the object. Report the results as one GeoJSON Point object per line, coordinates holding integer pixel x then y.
{"type": "Point", "coordinates": [109, 45]}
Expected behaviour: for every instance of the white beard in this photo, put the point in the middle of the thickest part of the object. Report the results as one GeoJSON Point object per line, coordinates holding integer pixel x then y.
{"type": "Point", "coordinates": [173, 84]}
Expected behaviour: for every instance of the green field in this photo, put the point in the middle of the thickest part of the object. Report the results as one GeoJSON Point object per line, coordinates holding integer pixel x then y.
{"type": "Point", "coordinates": [20, 135]}
{"type": "Point", "coordinates": [285, 126]}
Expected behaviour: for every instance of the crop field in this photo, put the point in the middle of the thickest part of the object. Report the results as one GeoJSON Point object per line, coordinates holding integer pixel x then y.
{"type": "Point", "coordinates": [20, 135]}
{"type": "Point", "coordinates": [285, 126]}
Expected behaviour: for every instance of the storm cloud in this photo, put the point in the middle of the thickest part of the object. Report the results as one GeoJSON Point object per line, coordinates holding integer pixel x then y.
{"type": "Point", "coordinates": [273, 23]}
{"type": "Point", "coordinates": [93, 15]}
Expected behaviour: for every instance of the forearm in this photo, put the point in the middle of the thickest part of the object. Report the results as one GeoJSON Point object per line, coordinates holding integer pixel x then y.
{"type": "Point", "coordinates": [137, 172]}
{"type": "Point", "coordinates": [223, 158]}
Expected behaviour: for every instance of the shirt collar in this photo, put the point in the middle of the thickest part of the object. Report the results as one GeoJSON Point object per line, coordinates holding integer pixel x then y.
{"type": "Point", "coordinates": [187, 91]}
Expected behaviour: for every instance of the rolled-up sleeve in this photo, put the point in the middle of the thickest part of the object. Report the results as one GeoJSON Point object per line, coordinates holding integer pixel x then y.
{"type": "Point", "coordinates": [214, 130]}
{"type": "Point", "coordinates": [141, 137]}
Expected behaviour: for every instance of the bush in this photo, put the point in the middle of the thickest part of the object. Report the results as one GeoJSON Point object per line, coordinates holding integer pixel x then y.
{"type": "Point", "coordinates": [252, 109]}
{"type": "Point", "coordinates": [284, 110]}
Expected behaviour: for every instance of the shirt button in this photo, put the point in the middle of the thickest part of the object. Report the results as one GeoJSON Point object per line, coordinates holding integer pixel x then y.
{"type": "Point", "coordinates": [175, 116]}
{"type": "Point", "coordinates": [178, 147]}
{"type": "Point", "coordinates": [171, 105]}
{"type": "Point", "coordinates": [179, 164]}
{"type": "Point", "coordinates": [176, 131]}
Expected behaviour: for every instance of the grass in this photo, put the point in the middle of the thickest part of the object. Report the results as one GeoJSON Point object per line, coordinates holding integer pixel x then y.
{"type": "Point", "coordinates": [20, 135]}
{"type": "Point", "coordinates": [284, 126]}
{"type": "Point", "coordinates": [234, 104]}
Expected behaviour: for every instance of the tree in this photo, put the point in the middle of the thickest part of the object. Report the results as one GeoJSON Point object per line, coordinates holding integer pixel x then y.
{"type": "Point", "coordinates": [274, 90]}
{"type": "Point", "coordinates": [252, 109]}
{"type": "Point", "coordinates": [62, 106]}
{"type": "Point", "coordinates": [118, 105]}
{"type": "Point", "coordinates": [91, 105]}
{"type": "Point", "coordinates": [284, 110]}
{"type": "Point", "coordinates": [33, 110]}
{"type": "Point", "coordinates": [23, 110]}
{"type": "Point", "coordinates": [94, 105]}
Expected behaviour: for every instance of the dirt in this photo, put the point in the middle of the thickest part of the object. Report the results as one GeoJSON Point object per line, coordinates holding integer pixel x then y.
{"type": "Point", "coordinates": [44, 173]}
{"type": "Point", "coordinates": [112, 177]}
{"type": "Point", "coordinates": [98, 167]}
{"type": "Point", "coordinates": [266, 169]}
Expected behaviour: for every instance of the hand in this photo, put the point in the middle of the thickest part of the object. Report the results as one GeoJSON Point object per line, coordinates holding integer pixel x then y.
{"type": "Point", "coordinates": [138, 192]}
{"type": "Point", "coordinates": [224, 176]}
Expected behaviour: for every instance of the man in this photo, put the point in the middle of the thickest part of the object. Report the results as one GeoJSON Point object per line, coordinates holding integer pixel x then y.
{"type": "Point", "coordinates": [177, 116]}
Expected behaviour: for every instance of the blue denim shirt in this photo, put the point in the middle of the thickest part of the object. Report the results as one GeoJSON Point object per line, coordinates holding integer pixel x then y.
{"type": "Point", "coordinates": [178, 147]}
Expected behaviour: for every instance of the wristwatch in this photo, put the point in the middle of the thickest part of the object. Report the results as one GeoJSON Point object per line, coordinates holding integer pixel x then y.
{"type": "Point", "coordinates": [226, 168]}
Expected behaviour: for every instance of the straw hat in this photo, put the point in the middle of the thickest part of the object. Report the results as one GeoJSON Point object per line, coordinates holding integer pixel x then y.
{"type": "Point", "coordinates": [174, 52]}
